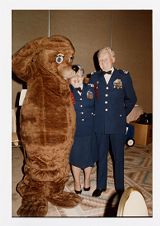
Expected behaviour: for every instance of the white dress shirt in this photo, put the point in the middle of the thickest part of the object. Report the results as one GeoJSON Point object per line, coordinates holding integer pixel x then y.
{"type": "Point", "coordinates": [108, 76]}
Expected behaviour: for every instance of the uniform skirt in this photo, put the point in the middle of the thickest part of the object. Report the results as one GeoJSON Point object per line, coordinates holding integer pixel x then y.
{"type": "Point", "coordinates": [84, 152]}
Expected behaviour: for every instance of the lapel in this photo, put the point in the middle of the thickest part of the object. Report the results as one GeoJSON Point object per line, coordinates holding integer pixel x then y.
{"type": "Point", "coordinates": [83, 90]}
{"type": "Point", "coordinates": [101, 81]}
{"type": "Point", "coordinates": [74, 91]}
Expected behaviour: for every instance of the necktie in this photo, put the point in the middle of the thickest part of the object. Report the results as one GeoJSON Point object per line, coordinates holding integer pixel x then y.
{"type": "Point", "coordinates": [108, 72]}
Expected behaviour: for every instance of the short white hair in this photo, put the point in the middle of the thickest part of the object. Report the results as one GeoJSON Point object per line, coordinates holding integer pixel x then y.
{"type": "Point", "coordinates": [108, 50]}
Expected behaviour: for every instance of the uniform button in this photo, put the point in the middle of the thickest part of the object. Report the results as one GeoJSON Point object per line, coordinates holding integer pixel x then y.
{"type": "Point", "coordinates": [82, 119]}
{"type": "Point", "coordinates": [106, 102]}
{"type": "Point", "coordinates": [80, 98]}
{"type": "Point", "coordinates": [107, 87]}
{"type": "Point", "coordinates": [81, 105]}
{"type": "Point", "coordinates": [82, 112]}
{"type": "Point", "coordinates": [106, 95]}
{"type": "Point", "coordinates": [106, 109]}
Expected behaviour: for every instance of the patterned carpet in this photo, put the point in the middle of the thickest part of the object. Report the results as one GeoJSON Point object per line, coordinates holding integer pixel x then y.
{"type": "Point", "coordinates": [138, 173]}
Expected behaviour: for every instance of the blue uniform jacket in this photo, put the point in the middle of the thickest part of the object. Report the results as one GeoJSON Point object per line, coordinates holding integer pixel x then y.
{"type": "Point", "coordinates": [84, 107]}
{"type": "Point", "coordinates": [113, 102]}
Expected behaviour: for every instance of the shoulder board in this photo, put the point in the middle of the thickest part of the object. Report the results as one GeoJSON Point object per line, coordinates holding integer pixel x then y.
{"type": "Point", "coordinates": [93, 72]}
{"type": "Point", "coordinates": [123, 71]}
{"type": "Point", "coordinates": [96, 73]}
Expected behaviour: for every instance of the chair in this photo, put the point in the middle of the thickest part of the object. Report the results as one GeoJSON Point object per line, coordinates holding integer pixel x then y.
{"type": "Point", "coordinates": [14, 130]}
{"type": "Point", "coordinates": [132, 203]}
{"type": "Point", "coordinates": [15, 139]}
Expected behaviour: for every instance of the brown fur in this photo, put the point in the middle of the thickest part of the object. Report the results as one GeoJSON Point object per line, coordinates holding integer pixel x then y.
{"type": "Point", "coordinates": [47, 124]}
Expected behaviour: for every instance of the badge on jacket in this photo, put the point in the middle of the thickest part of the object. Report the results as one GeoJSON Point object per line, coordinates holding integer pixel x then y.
{"type": "Point", "coordinates": [90, 95]}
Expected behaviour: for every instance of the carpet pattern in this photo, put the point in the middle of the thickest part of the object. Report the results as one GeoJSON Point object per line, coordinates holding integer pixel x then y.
{"type": "Point", "coordinates": [138, 174]}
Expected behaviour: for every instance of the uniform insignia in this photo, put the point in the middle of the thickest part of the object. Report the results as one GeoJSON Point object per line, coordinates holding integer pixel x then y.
{"type": "Point", "coordinates": [125, 72]}
{"type": "Point", "coordinates": [93, 72]}
{"type": "Point", "coordinates": [90, 95]}
{"type": "Point", "coordinates": [117, 84]}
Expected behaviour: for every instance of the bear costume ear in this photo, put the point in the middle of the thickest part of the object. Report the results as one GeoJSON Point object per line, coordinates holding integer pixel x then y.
{"type": "Point", "coordinates": [22, 60]}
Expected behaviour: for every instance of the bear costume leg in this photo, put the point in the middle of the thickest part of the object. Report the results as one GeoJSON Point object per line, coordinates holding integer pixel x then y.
{"type": "Point", "coordinates": [35, 197]}
{"type": "Point", "coordinates": [44, 182]}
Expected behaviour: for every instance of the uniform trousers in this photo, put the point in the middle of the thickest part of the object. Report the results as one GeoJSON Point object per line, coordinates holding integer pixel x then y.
{"type": "Point", "coordinates": [115, 143]}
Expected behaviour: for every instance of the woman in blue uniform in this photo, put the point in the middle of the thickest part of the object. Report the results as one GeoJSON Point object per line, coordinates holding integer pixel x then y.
{"type": "Point", "coordinates": [83, 152]}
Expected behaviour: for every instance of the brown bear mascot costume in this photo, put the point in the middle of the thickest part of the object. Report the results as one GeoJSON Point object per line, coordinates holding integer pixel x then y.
{"type": "Point", "coordinates": [47, 123]}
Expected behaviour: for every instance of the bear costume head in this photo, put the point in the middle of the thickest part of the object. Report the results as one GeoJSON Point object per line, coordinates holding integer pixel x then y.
{"type": "Point", "coordinates": [47, 123]}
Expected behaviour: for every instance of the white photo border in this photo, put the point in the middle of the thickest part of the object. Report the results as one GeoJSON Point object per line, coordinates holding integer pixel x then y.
{"type": "Point", "coordinates": [5, 87]}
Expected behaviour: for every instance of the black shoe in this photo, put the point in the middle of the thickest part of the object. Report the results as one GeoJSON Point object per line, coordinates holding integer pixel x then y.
{"type": "Point", "coordinates": [78, 192]}
{"type": "Point", "coordinates": [86, 189]}
{"type": "Point", "coordinates": [97, 192]}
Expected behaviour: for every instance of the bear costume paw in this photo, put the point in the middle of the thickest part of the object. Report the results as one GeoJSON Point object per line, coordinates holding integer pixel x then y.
{"type": "Point", "coordinates": [33, 207]}
{"type": "Point", "coordinates": [60, 199]}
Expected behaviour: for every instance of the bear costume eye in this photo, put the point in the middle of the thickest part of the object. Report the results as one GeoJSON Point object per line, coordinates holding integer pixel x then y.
{"type": "Point", "coordinates": [59, 58]}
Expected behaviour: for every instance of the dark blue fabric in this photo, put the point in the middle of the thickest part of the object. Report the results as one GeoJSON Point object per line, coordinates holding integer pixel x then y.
{"type": "Point", "coordinates": [112, 105]}
{"type": "Point", "coordinates": [84, 108]}
{"type": "Point", "coordinates": [83, 152]}
{"type": "Point", "coordinates": [118, 102]}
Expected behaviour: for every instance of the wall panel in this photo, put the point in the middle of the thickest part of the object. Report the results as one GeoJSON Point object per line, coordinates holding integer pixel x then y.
{"type": "Point", "coordinates": [128, 31]}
